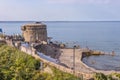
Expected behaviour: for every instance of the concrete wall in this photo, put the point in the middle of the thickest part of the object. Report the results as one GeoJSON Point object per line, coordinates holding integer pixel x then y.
{"type": "Point", "coordinates": [29, 51]}
{"type": "Point", "coordinates": [33, 52]}
{"type": "Point", "coordinates": [60, 67]}
{"type": "Point", "coordinates": [10, 43]}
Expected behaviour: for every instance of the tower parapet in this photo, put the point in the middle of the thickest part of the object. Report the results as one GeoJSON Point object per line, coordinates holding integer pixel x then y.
{"type": "Point", "coordinates": [34, 32]}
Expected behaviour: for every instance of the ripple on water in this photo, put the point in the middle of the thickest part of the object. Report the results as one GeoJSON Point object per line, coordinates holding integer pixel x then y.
{"type": "Point", "coordinates": [103, 62]}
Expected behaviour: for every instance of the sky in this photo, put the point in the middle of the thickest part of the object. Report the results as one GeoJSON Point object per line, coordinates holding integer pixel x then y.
{"type": "Point", "coordinates": [59, 10]}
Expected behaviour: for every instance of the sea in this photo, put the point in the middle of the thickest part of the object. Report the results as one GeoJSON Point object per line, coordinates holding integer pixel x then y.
{"type": "Point", "coordinates": [96, 35]}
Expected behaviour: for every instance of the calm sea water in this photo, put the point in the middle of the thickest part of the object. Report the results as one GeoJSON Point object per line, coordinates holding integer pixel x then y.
{"type": "Point", "coordinates": [102, 36]}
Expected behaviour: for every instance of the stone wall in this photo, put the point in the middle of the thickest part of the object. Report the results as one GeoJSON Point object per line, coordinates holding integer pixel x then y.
{"type": "Point", "coordinates": [60, 67]}
{"type": "Point", "coordinates": [34, 32]}
{"type": "Point", "coordinates": [30, 51]}
{"type": "Point", "coordinates": [10, 43]}
{"type": "Point", "coordinates": [64, 69]}
{"type": "Point", "coordinates": [33, 52]}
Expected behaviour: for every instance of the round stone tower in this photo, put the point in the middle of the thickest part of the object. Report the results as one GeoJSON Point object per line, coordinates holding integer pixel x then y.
{"type": "Point", "coordinates": [34, 32]}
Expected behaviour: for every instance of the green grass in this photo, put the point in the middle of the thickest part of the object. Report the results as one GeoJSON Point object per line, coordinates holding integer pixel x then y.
{"type": "Point", "coordinates": [17, 65]}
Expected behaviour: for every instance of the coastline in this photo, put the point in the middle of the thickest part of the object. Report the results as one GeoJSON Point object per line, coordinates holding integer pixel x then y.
{"type": "Point", "coordinates": [83, 69]}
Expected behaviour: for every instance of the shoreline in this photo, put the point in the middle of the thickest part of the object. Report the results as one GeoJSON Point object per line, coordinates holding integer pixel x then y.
{"type": "Point", "coordinates": [80, 67]}
{"type": "Point", "coordinates": [100, 71]}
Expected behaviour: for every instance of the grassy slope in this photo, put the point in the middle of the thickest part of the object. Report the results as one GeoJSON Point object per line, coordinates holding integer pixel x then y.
{"type": "Point", "coordinates": [16, 65]}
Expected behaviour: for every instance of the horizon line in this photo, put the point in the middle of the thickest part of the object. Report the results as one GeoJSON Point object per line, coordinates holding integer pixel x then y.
{"type": "Point", "coordinates": [61, 21]}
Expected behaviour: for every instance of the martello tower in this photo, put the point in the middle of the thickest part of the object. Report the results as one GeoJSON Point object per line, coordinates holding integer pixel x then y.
{"type": "Point", "coordinates": [34, 32]}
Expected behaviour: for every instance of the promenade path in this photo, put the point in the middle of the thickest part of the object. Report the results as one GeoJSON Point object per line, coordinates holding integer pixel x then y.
{"type": "Point", "coordinates": [66, 58]}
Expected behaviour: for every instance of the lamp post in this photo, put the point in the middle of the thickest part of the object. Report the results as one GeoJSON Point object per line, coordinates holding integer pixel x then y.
{"type": "Point", "coordinates": [74, 58]}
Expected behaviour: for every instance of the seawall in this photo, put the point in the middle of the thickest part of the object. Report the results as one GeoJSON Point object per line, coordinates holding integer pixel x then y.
{"type": "Point", "coordinates": [34, 53]}
{"type": "Point", "coordinates": [86, 75]}
{"type": "Point", "coordinates": [31, 51]}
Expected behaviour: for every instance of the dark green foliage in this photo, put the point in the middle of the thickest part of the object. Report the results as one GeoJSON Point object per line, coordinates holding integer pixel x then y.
{"type": "Point", "coordinates": [117, 75]}
{"type": "Point", "coordinates": [100, 76]}
{"type": "Point", "coordinates": [16, 65]}
{"type": "Point", "coordinates": [59, 75]}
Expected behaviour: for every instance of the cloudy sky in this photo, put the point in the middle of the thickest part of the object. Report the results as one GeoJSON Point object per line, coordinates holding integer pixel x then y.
{"type": "Point", "coordinates": [60, 10]}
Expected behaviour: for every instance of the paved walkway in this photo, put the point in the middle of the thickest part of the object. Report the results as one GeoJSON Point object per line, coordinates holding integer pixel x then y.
{"type": "Point", "coordinates": [67, 58]}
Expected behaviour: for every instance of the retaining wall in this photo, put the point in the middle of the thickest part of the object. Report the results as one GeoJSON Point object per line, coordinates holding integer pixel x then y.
{"type": "Point", "coordinates": [33, 52]}
{"type": "Point", "coordinates": [60, 67]}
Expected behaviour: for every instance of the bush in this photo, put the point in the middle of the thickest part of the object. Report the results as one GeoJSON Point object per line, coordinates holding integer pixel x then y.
{"type": "Point", "coordinates": [100, 76]}
{"type": "Point", "coordinates": [16, 65]}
